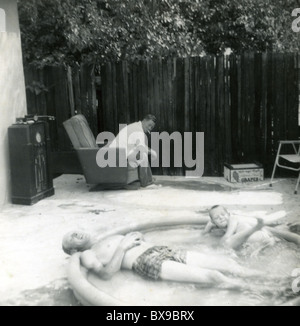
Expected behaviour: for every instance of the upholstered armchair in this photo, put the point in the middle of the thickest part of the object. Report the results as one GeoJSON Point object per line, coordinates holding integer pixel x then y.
{"type": "Point", "coordinates": [84, 143]}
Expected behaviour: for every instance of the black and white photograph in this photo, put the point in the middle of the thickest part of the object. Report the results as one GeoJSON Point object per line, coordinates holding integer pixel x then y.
{"type": "Point", "coordinates": [149, 155]}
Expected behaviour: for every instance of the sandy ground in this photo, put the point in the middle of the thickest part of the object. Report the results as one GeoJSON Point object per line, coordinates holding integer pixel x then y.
{"type": "Point", "coordinates": [33, 266]}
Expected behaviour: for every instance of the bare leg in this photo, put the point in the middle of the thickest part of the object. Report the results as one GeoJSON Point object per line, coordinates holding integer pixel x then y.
{"type": "Point", "coordinates": [294, 227]}
{"type": "Point", "coordinates": [275, 219]}
{"type": "Point", "coordinates": [178, 272]}
{"type": "Point", "coordinates": [286, 235]}
{"type": "Point", "coordinates": [220, 263]}
{"type": "Point", "coordinates": [241, 237]}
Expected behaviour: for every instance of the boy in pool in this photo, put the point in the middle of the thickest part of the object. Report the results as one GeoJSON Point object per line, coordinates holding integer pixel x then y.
{"type": "Point", "coordinates": [238, 231]}
{"type": "Point", "coordinates": [107, 256]}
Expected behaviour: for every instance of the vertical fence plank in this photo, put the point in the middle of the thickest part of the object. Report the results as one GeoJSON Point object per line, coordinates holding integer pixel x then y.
{"type": "Point", "coordinates": [219, 143]}
{"type": "Point", "coordinates": [292, 96]}
{"type": "Point", "coordinates": [77, 89]}
{"type": "Point", "coordinates": [135, 92]}
{"type": "Point", "coordinates": [280, 98]}
{"type": "Point", "coordinates": [204, 106]}
{"type": "Point", "coordinates": [227, 112]}
{"type": "Point", "coordinates": [273, 108]}
{"type": "Point", "coordinates": [276, 94]}
{"type": "Point", "coordinates": [61, 106]}
{"type": "Point", "coordinates": [251, 144]}
{"type": "Point", "coordinates": [88, 96]}
{"type": "Point", "coordinates": [109, 114]}
{"type": "Point", "coordinates": [172, 71]}
{"type": "Point", "coordinates": [239, 116]}
{"type": "Point", "coordinates": [119, 96]}
{"type": "Point", "coordinates": [213, 115]}
{"type": "Point", "coordinates": [243, 107]}
{"type": "Point", "coordinates": [180, 92]}
{"type": "Point", "coordinates": [70, 91]}
{"type": "Point", "coordinates": [263, 86]}
{"type": "Point", "coordinates": [270, 151]}
{"type": "Point", "coordinates": [51, 108]}
{"type": "Point", "coordinates": [233, 89]}
{"type": "Point", "coordinates": [258, 110]}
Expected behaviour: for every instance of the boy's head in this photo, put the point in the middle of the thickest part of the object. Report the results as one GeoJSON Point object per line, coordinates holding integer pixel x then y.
{"type": "Point", "coordinates": [219, 216]}
{"type": "Point", "coordinates": [76, 241]}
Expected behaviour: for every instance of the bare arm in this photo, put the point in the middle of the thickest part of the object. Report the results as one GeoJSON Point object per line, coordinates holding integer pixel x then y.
{"type": "Point", "coordinates": [90, 261]}
{"type": "Point", "coordinates": [106, 271]}
{"type": "Point", "coordinates": [209, 226]}
{"type": "Point", "coordinates": [236, 240]}
{"type": "Point", "coordinates": [231, 229]}
{"type": "Point", "coordinates": [286, 235]}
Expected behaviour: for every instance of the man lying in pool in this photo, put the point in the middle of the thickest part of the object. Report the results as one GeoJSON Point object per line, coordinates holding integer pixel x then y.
{"type": "Point", "coordinates": [107, 256]}
{"type": "Point", "coordinates": [238, 231]}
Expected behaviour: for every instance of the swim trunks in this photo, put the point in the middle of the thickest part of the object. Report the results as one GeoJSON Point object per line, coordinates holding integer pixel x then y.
{"type": "Point", "coordinates": [149, 263]}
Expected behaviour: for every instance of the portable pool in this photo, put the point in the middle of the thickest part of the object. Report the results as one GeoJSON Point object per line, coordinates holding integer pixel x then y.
{"type": "Point", "coordinates": [128, 289]}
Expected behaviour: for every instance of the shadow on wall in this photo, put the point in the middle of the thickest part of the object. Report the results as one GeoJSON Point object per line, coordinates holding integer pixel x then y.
{"type": "Point", "coordinates": [2, 20]}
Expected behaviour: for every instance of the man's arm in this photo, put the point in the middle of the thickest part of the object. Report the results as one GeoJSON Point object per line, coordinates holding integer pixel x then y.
{"type": "Point", "coordinates": [141, 150]}
{"type": "Point", "coordinates": [130, 240]}
{"type": "Point", "coordinates": [90, 261]}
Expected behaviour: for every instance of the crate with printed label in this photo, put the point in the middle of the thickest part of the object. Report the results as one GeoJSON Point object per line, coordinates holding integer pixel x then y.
{"type": "Point", "coordinates": [240, 173]}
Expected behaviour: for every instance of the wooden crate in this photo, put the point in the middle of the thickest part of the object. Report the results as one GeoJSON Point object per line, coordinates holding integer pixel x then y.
{"type": "Point", "coordinates": [239, 173]}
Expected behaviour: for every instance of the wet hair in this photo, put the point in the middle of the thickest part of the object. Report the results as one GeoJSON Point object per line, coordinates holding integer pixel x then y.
{"type": "Point", "coordinates": [214, 207]}
{"type": "Point", "coordinates": [150, 117]}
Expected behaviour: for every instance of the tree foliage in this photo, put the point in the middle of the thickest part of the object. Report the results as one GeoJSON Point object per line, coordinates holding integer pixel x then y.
{"type": "Point", "coordinates": [76, 31]}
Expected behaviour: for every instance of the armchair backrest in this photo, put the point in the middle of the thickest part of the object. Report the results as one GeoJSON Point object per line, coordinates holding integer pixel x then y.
{"type": "Point", "coordinates": [79, 132]}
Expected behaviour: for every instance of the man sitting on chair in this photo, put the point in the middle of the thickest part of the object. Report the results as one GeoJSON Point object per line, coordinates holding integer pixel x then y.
{"type": "Point", "coordinates": [133, 139]}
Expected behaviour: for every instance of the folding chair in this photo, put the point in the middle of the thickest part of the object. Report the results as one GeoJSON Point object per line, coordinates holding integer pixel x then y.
{"type": "Point", "coordinates": [291, 158]}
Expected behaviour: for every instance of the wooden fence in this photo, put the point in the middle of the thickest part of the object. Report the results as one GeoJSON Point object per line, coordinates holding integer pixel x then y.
{"type": "Point", "coordinates": [62, 92]}
{"type": "Point", "coordinates": [243, 104]}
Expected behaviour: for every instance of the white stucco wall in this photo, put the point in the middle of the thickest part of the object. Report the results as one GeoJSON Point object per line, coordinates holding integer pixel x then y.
{"type": "Point", "coordinates": [12, 89]}
{"type": "Point", "coordinates": [2, 20]}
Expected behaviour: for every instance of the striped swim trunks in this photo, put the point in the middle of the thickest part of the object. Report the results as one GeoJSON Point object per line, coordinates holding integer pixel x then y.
{"type": "Point", "coordinates": [149, 263]}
